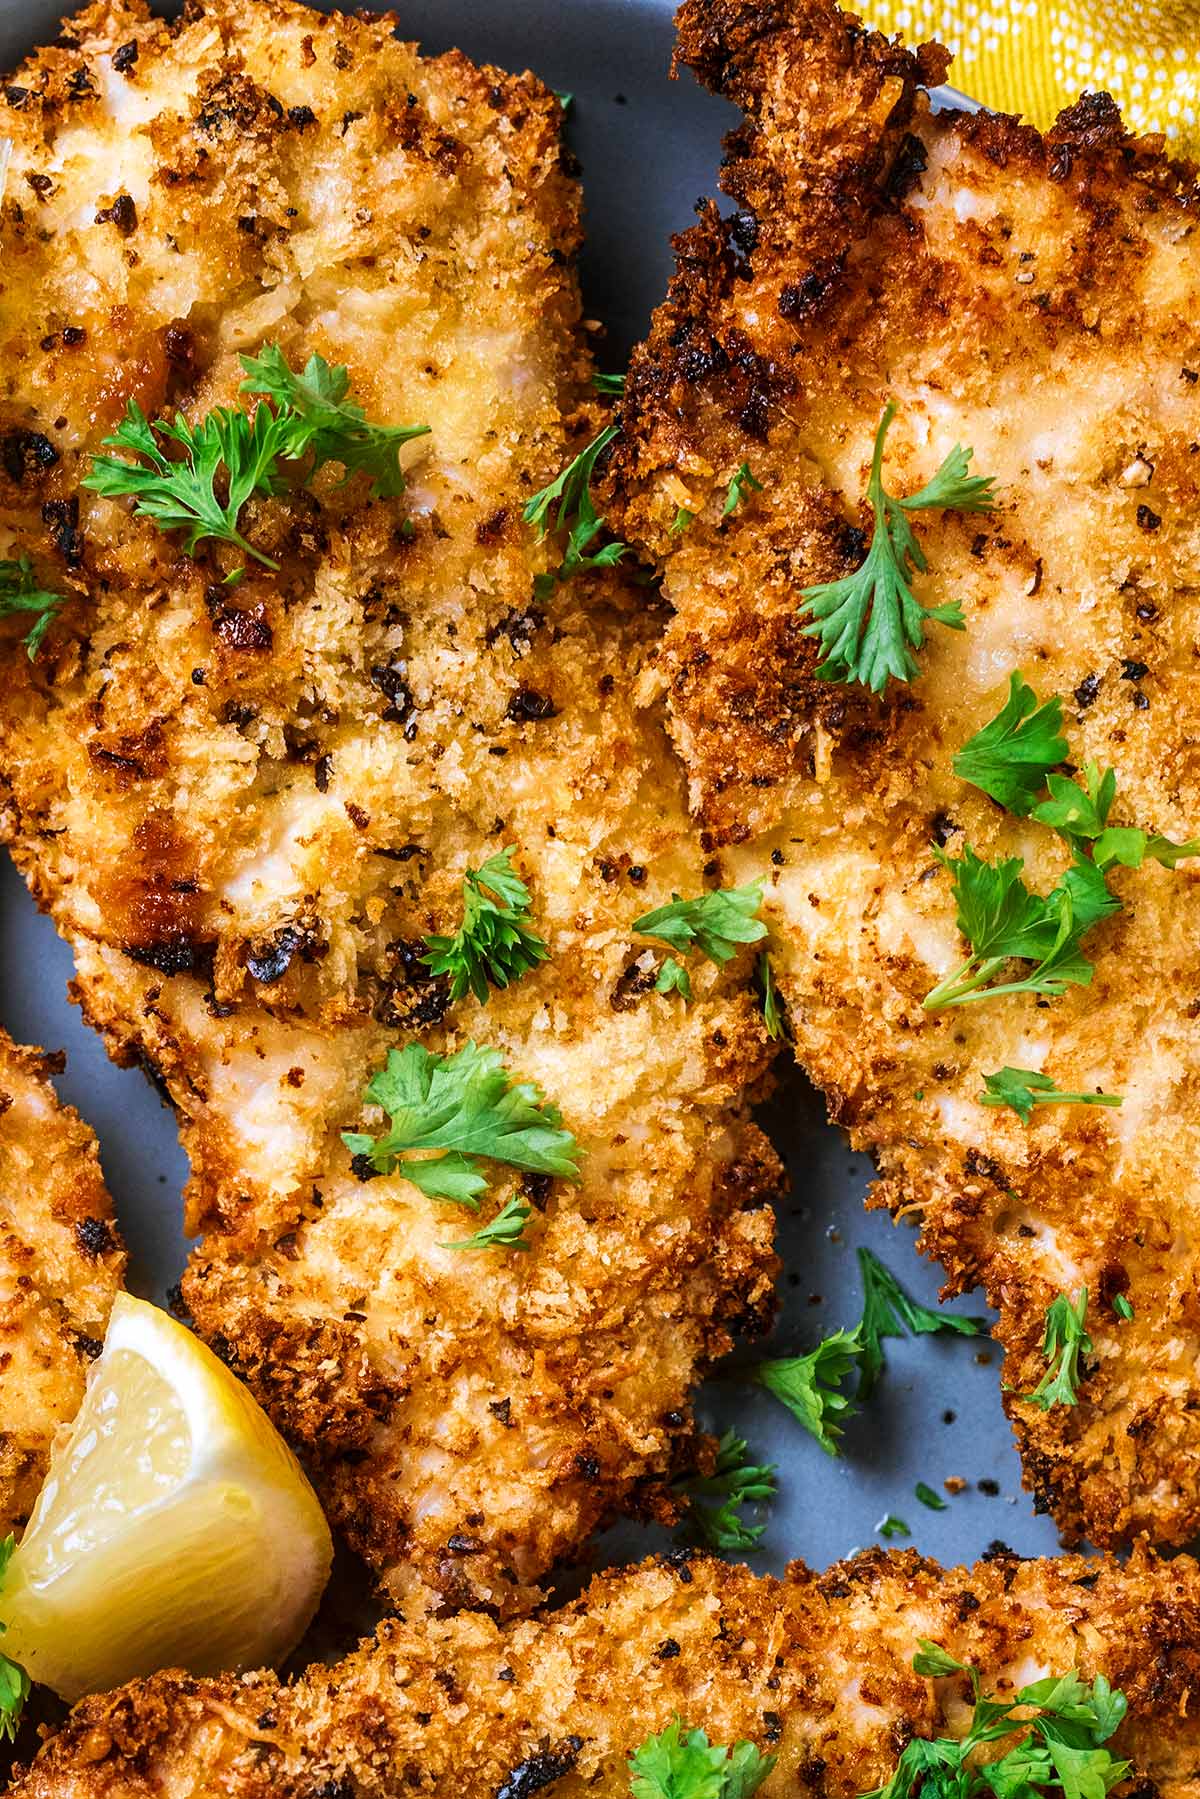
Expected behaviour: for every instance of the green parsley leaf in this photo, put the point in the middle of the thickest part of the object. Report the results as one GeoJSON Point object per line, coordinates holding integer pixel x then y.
{"type": "Point", "coordinates": [682, 1764]}
{"type": "Point", "coordinates": [494, 945]}
{"type": "Point", "coordinates": [182, 496]}
{"type": "Point", "coordinates": [735, 1482]}
{"type": "Point", "coordinates": [772, 1011]}
{"type": "Point", "coordinates": [740, 487]}
{"type": "Point", "coordinates": [1024, 1088]}
{"type": "Point", "coordinates": [1011, 757]}
{"type": "Point", "coordinates": [1058, 1750]}
{"type": "Point", "coordinates": [890, 1526]}
{"type": "Point", "coordinates": [673, 977]}
{"type": "Point", "coordinates": [504, 1231]}
{"type": "Point", "coordinates": [869, 623]}
{"type": "Point", "coordinates": [19, 592]}
{"type": "Point", "coordinates": [681, 521]}
{"type": "Point", "coordinates": [318, 417]}
{"type": "Point", "coordinates": [808, 1385]}
{"type": "Point", "coordinates": [1066, 1339]}
{"type": "Point", "coordinates": [608, 384]}
{"type": "Point", "coordinates": [1003, 921]}
{"type": "Point", "coordinates": [928, 1497]}
{"type": "Point", "coordinates": [14, 1682]}
{"type": "Point", "coordinates": [1080, 814]}
{"type": "Point", "coordinates": [888, 1311]}
{"type": "Point", "coordinates": [566, 505]}
{"type": "Point", "coordinates": [934, 1662]}
{"type": "Point", "coordinates": [1122, 1306]}
{"type": "Point", "coordinates": [714, 924]}
{"type": "Point", "coordinates": [563, 97]}
{"type": "Point", "coordinates": [459, 1109]}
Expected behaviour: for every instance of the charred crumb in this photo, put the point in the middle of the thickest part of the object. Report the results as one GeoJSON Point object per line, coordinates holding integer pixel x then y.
{"type": "Point", "coordinates": [122, 213]}
{"type": "Point", "coordinates": [636, 979]}
{"type": "Point", "coordinates": [125, 57]}
{"type": "Point", "coordinates": [26, 455]}
{"type": "Point", "coordinates": [61, 519]}
{"type": "Point", "coordinates": [1086, 692]}
{"type": "Point", "coordinates": [391, 681]}
{"type": "Point", "coordinates": [94, 1237]}
{"type": "Point", "coordinates": [540, 1770]}
{"type": "Point", "coordinates": [527, 706]}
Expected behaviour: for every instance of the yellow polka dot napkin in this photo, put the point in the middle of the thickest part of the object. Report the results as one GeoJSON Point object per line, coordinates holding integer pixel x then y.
{"type": "Point", "coordinates": [1031, 58]}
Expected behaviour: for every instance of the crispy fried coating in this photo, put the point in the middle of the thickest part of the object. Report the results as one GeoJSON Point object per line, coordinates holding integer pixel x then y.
{"type": "Point", "coordinates": [1034, 298]}
{"type": "Point", "coordinates": [61, 1263]}
{"type": "Point", "coordinates": [248, 804]}
{"type": "Point", "coordinates": [815, 1669]}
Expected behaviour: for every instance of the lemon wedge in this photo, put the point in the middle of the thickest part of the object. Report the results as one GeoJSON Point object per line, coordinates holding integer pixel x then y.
{"type": "Point", "coordinates": [175, 1527]}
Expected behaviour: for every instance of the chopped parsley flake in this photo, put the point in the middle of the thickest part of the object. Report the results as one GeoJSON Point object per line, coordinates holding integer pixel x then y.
{"type": "Point", "coordinates": [1065, 1340]}
{"type": "Point", "coordinates": [740, 488]}
{"type": "Point", "coordinates": [735, 1482]}
{"type": "Point", "coordinates": [494, 945]}
{"type": "Point", "coordinates": [504, 1231]}
{"type": "Point", "coordinates": [928, 1497]}
{"type": "Point", "coordinates": [20, 593]}
{"type": "Point", "coordinates": [566, 505]}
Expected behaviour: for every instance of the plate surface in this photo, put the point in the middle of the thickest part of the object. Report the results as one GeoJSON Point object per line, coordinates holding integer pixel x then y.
{"type": "Point", "coordinates": [649, 147]}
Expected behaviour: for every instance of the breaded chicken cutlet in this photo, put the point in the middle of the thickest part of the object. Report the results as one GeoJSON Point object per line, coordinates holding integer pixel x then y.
{"type": "Point", "coordinates": [814, 1669]}
{"type": "Point", "coordinates": [61, 1265]}
{"type": "Point", "coordinates": [1035, 299]}
{"type": "Point", "coordinates": [248, 802]}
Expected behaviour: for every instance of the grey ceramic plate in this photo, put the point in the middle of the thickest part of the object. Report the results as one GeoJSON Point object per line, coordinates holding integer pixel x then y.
{"type": "Point", "coordinates": [649, 148]}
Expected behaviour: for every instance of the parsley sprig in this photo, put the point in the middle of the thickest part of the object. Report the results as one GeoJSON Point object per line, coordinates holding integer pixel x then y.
{"type": "Point", "coordinates": [183, 495]}
{"type": "Point", "coordinates": [565, 504]}
{"type": "Point", "coordinates": [229, 457]}
{"type": "Point", "coordinates": [321, 420]}
{"type": "Point", "coordinates": [20, 593]}
{"type": "Point", "coordinates": [682, 1764]}
{"type": "Point", "coordinates": [773, 1016]}
{"type": "Point", "coordinates": [810, 1385]}
{"type": "Point", "coordinates": [505, 1231]}
{"type": "Point", "coordinates": [1014, 759]}
{"type": "Point", "coordinates": [870, 623]}
{"type": "Point", "coordinates": [735, 1482]}
{"type": "Point", "coordinates": [449, 1114]}
{"type": "Point", "coordinates": [1024, 1088]}
{"type": "Point", "coordinates": [1065, 1340]}
{"type": "Point", "coordinates": [888, 1311]}
{"type": "Point", "coordinates": [495, 944]}
{"type": "Point", "coordinates": [1004, 922]}
{"type": "Point", "coordinates": [1060, 1726]}
{"type": "Point", "coordinates": [714, 925]}
{"type": "Point", "coordinates": [14, 1682]}
{"type": "Point", "coordinates": [1011, 756]}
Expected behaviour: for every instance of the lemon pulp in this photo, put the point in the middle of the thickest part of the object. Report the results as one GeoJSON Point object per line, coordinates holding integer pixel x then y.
{"type": "Point", "coordinates": [174, 1529]}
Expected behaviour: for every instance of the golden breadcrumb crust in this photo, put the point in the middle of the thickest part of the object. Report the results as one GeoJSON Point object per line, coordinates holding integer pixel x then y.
{"type": "Point", "coordinates": [815, 1669]}
{"type": "Point", "coordinates": [247, 805]}
{"type": "Point", "coordinates": [61, 1263]}
{"type": "Point", "coordinates": [1034, 298]}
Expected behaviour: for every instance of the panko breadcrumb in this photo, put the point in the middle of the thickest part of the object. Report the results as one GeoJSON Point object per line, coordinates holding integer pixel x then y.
{"type": "Point", "coordinates": [61, 1265]}
{"type": "Point", "coordinates": [815, 1670]}
{"type": "Point", "coordinates": [1035, 299]}
{"type": "Point", "coordinates": [248, 803]}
